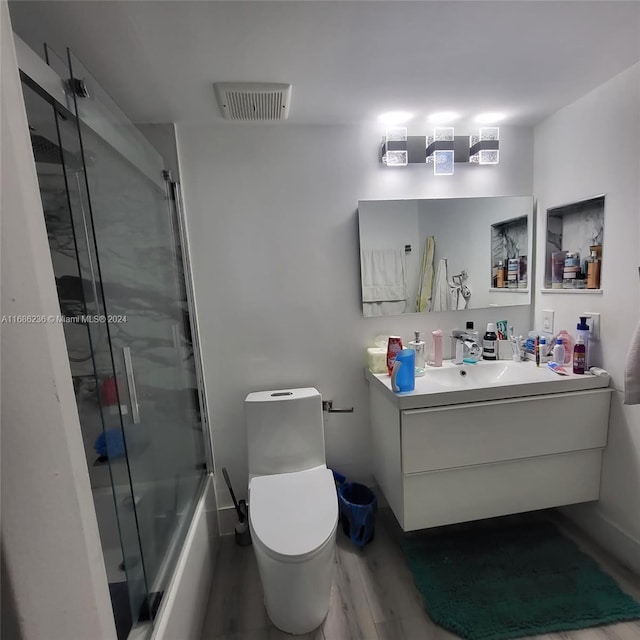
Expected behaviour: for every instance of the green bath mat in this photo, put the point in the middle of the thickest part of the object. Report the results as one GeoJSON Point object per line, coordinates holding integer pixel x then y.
{"type": "Point", "coordinates": [495, 583]}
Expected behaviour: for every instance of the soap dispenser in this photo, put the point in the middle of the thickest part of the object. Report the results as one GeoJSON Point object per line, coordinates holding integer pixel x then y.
{"type": "Point", "coordinates": [418, 346]}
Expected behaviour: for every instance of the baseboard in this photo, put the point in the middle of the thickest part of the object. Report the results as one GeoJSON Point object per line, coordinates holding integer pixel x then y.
{"type": "Point", "coordinates": [618, 542]}
{"type": "Point", "coordinates": [181, 614]}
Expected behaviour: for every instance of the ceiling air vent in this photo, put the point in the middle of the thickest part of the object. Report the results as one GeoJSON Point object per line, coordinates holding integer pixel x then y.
{"type": "Point", "coordinates": [255, 101]}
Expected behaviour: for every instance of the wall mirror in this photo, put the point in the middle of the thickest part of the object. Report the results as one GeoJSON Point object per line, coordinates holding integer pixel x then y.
{"type": "Point", "coordinates": [444, 254]}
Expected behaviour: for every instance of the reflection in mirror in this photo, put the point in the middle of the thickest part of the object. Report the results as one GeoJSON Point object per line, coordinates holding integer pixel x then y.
{"type": "Point", "coordinates": [419, 256]}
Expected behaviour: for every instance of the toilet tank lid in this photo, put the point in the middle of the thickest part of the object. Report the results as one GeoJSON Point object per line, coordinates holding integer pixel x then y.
{"type": "Point", "coordinates": [282, 394]}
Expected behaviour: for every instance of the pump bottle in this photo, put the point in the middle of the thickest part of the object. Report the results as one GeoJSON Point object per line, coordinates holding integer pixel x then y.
{"type": "Point", "coordinates": [418, 346]}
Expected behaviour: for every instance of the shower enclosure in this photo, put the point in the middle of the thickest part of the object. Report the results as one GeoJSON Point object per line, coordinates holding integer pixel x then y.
{"type": "Point", "coordinates": [116, 239]}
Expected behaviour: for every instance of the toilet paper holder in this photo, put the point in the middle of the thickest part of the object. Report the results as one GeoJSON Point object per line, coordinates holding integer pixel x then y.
{"type": "Point", "coordinates": [327, 405]}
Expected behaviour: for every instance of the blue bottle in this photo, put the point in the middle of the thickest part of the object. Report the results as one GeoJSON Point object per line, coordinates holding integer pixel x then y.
{"type": "Point", "coordinates": [403, 375]}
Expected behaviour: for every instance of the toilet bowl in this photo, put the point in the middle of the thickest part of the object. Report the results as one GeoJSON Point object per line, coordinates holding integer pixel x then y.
{"type": "Point", "coordinates": [293, 519]}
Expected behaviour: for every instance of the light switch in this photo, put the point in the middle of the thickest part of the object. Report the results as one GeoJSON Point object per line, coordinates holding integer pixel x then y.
{"type": "Point", "coordinates": [547, 320]}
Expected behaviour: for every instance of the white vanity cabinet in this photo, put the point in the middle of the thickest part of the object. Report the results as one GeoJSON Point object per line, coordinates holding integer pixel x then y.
{"type": "Point", "coordinates": [439, 465]}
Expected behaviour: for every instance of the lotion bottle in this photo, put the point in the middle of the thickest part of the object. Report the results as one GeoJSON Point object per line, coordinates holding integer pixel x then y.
{"type": "Point", "coordinates": [558, 351]}
{"type": "Point", "coordinates": [418, 346]}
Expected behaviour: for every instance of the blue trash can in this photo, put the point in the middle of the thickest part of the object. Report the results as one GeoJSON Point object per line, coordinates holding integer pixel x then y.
{"type": "Point", "coordinates": [358, 506]}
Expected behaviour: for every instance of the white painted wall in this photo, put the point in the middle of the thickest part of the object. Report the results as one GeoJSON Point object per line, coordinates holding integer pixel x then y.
{"type": "Point", "coordinates": [588, 148]}
{"type": "Point", "coordinates": [272, 216]}
{"type": "Point", "coordinates": [52, 560]}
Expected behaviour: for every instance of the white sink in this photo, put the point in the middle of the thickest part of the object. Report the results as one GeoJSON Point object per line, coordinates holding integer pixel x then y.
{"type": "Point", "coordinates": [456, 384]}
{"type": "Point", "coordinates": [480, 374]}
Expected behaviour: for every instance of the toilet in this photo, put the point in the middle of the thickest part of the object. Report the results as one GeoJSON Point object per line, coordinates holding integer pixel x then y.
{"type": "Point", "coordinates": [293, 507]}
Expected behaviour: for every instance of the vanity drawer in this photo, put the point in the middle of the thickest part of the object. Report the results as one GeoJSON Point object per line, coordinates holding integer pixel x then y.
{"type": "Point", "coordinates": [437, 498]}
{"type": "Point", "coordinates": [485, 432]}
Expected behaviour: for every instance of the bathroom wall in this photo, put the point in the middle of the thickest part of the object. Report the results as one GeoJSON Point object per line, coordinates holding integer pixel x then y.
{"type": "Point", "coordinates": [272, 216]}
{"type": "Point", "coordinates": [592, 147]}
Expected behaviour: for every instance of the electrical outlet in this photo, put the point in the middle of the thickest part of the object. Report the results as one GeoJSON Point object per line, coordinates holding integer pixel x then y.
{"type": "Point", "coordinates": [593, 320]}
{"type": "Point", "coordinates": [547, 320]}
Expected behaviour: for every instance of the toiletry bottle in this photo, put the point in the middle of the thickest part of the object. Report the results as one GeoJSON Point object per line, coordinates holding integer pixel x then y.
{"type": "Point", "coordinates": [558, 351]}
{"type": "Point", "coordinates": [490, 343]}
{"type": "Point", "coordinates": [582, 329]}
{"type": "Point", "coordinates": [579, 355]}
{"type": "Point", "coordinates": [393, 346]}
{"type": "Point", "coordinates": [418, 346]}
{"type": "Point", "coordinates": [567, 343]}
{"type": "Point", "coordinates": [593, 271]}
{"type": "Point", "coordinates": [475, 335]}
{"type": "Point", "coordinates": [500, 281]}
{"type": "Point", "coordinates": [437, 348]}
{"type": "Point", "coordinates": [537, 351]}
{"type": "Point", "coordinates": [542, 348]}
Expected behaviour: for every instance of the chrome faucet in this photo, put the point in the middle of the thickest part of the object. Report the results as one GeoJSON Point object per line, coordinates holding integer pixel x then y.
{"type": "Point", "coordinates": [464, 345]}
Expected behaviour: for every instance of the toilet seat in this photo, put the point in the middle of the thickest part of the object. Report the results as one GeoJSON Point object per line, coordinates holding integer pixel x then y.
{"type": "Point", "coordinates": [293, 515]}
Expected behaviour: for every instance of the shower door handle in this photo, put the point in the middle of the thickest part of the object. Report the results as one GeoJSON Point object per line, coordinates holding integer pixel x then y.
{"type": "Point", "coordinates": [131, 383]}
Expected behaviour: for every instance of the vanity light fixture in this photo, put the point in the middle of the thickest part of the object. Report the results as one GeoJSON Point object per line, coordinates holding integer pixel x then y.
{"type": "Point", "coordinates": [485, 147]}
{"type": "Point", "coordinates": [395, 147]}
{"type": "Point", "coordinates": [440, 150]}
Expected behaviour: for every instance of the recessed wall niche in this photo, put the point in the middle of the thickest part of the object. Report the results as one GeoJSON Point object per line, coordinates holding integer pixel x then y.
{"type": "Point", "coordinates": [509, 246]}
{"type": "Point", "coordinates": [575, 236]}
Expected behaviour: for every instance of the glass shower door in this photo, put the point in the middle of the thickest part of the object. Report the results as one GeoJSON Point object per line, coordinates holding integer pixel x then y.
{"type": "Point", "coordinates": [62, 182]}
{"type": "Point", "coordinates": [141, 271]}
{"type": "Point", "coordinates": [114, 237]}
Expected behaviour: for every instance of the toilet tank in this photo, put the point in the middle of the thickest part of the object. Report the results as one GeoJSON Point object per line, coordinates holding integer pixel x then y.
{"type": "Point", "coordinates": [284, 430]}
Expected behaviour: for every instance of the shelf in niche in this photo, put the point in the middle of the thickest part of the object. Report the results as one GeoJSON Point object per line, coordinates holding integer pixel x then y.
{"type": "Point", "coordinates": [503, 290]}
{"type": "Point", "coordinates": [574, 227]}
{"type": "Point", "coordinates": [509, 239]}
{"type": "Point", "coordinates": [572, 291]}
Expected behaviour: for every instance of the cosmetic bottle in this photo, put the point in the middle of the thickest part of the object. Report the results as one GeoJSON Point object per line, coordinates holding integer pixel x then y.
{"type": "Point", "coordinates": [579, 355]}
{"type": "Point", "coordinates": [475, 335]}
{"type": "Point", "coordinates": [437, 348]}
{"type": "Point", "coordinates": [490, 343]}
{"type": "Point", "coordinates": [501, 276]}
{"type": "Point", "coordinates": [558, 351]}
{"type": "Point", "coordinates": [593, 271]}
{"type": "Point", "coordinates": [418, 346]}
{"type": "Point", "coordinates": [543, 350]}
{"type": "Point", "coordinates": [582, 329]}
{"type": "Point", "coordinates": [567, 343]}
{"type": "Point", "coordinates": [394, 345]}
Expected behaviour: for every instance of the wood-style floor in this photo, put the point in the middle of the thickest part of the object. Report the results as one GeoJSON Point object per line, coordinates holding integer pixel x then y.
{"type": "Point", "coordinates": [373, 595]}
